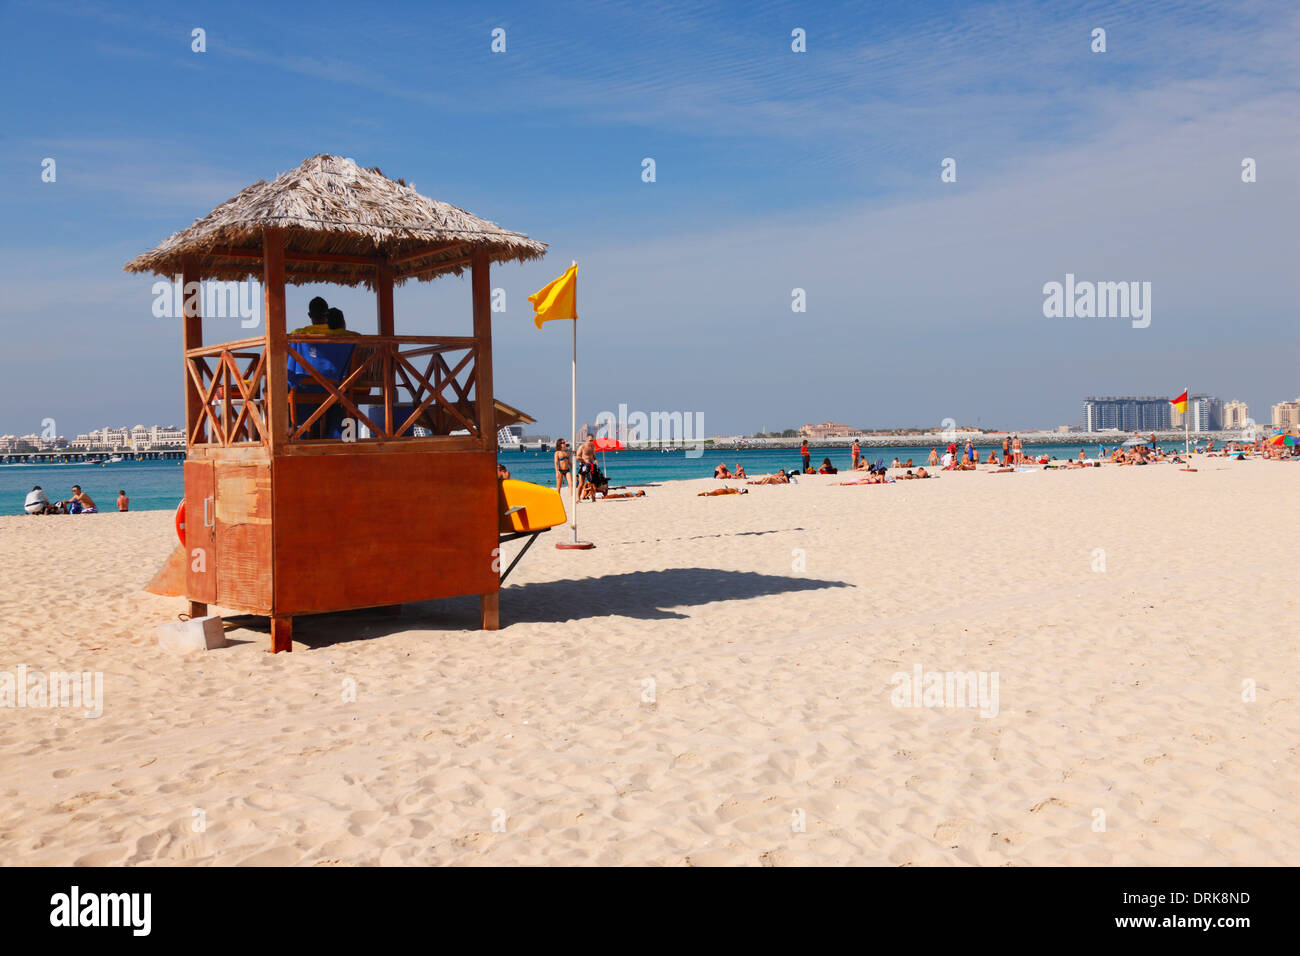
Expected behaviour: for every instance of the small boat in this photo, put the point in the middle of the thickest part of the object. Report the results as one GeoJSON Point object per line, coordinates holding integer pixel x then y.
{"type": "Point", "coordinates": [114, 460]}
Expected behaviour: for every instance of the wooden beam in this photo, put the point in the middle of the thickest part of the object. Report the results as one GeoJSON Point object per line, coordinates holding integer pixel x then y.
{"type": "Point", "coordinates": [230, 252]}
{"type": "Point", "coordinates": [481, 289]}
{"type": "Point", "coordinates": [277, 372]}
{"type": "Point", "coordinates": [437, 266]}
{"type": "Point", "coordinates": [421, 253]}
{"type": "Point", "coordinates": [193, 339]}
{"type": "Point", "coordinates": [281, 634]}
{"type": "Point", "coordinates": [384, 297]}
{"type": "Point", "coordinates": [490, 605]}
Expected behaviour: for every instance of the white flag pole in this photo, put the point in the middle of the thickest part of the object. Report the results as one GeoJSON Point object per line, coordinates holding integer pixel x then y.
{"type": "Point", "coordinates": [573, 436]}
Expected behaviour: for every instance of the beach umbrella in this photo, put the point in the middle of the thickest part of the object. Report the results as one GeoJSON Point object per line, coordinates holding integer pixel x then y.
{"type": "Point", "coordinates": [603, 445]}
{"type": "Point", "coordinates": [1134, 441]}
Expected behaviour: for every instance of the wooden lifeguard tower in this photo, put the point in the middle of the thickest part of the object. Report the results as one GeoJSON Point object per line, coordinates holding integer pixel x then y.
{"type": "Point", "coordinates": [284, 515]}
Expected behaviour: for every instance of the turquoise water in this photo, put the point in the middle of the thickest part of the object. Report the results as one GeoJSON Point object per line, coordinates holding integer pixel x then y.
{"type": "Point", "coordinates": [151, 485]}
{"type": "Point", "coordinates": [645, 467]}
{"type": "Point", "coordinates": [159, 485]}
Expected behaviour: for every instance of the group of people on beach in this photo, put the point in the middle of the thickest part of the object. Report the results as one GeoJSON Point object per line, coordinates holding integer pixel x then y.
{"type": "Point", "coordinates": [591, 480]}
{"type": "Point", "coordinates": [38, 503]}
{"type": "Point", "coordinates": [1012, 458]}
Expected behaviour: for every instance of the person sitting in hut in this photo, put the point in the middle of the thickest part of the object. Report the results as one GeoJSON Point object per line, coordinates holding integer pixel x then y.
{"type": "Point", "coordinates": [337, 324]}
{"type": "Point", "coordinates": [503, 472]}
{"type": "Point", "coordinates": [330, 361]}
{"type": "Point", "coordinates": [318, 311]}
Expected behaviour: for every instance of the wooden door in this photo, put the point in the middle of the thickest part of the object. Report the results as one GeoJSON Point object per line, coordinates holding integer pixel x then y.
{"type": "Point", "coordinates": [200, 532]}
{"type": "Point", "coordinates": [243, 535]}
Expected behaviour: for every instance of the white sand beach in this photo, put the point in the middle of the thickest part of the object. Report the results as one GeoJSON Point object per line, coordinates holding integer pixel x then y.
{"type": "Point", "coordinates": [710, 685]}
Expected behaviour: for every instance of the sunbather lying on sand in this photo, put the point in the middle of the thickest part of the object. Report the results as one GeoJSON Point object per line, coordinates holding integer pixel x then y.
{"type": "Point", "coordinates": [722, 491]}
{"type": "Point", "coordinates": [780, 478]}
{"type": "Point", "coordinates": [624, 494]}
{"type": "Point", "coordinates": [920, 473]}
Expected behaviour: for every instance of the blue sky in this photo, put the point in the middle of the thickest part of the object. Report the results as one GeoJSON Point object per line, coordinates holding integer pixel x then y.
{"type": "Point", "coordinates": [775, 170]}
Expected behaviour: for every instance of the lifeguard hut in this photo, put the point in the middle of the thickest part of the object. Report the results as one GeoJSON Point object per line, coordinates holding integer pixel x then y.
{"type": "Point", "coordinates": [327, 473]}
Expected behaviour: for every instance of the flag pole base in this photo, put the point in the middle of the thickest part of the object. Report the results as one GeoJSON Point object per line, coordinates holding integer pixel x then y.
{"type": "Point", "coordinates": [574, 546]}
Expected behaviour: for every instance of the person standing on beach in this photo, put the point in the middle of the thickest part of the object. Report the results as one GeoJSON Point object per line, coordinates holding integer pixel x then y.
{"type": "Point", "coordinates": [803, 451]}
{"type": "Point", "coordinates": [563, 465]}
{"type": "Point", "coordinates": [857, 453]}
{"type": "Point", "coordinates": [123, 502]}
{"type": "Point", "coordinates": [1006, 448]}
{"type": "Point", "coordinates": [586, 464]}
{"type": "Point", "coordinates": [934, 456]}
{"type": "Point", "coordinates": [1017, 449]}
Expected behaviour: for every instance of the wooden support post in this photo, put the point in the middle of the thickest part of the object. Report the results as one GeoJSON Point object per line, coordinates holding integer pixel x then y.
{"type": "Point", "coordinates": [192, 334]}
{"type": "Point", "coordinates": [483, 394]}
{"type": "Point", "coordinates": [490, 605]}
{"type": "Point", "coordinates": [277, 373]}
{"type": "Point", "coordinates": [484, 398]}
{"type": "Point", "coordinates": [281, 634]}
{"type": "Point", "coordinates": [384, 295]}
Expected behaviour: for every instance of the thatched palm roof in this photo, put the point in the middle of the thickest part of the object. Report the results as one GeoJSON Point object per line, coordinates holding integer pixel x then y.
{"type": "Point", "coordinates": [331, 205]}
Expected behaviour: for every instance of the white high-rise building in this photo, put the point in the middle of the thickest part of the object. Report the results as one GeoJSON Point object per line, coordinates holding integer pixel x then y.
{"type": "Point", "coordinates": [1235, 414]}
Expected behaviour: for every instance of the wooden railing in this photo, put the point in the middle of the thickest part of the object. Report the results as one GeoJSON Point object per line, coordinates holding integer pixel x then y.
{"type": "Point", "coordinates": [392, 386]}
{"type": "Point", "coordinates": [232, 400]}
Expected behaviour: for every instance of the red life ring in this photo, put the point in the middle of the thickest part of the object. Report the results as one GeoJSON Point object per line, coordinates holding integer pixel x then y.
{"type": "Point", "coordinates": [180, 522]}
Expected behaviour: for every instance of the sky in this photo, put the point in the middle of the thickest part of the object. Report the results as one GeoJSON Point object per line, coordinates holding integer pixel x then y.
{"type": "Point", "coordinates": [775, 170]}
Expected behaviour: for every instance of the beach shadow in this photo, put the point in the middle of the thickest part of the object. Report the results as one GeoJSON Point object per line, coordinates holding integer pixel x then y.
{"type": "Point", "coordinates": [642, 595]}
{"type": "Point", "coordinates": [720, 534]}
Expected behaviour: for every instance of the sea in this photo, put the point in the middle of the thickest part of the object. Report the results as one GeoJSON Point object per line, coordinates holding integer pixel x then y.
{"type": "Point", "coordinates": [159, 485]}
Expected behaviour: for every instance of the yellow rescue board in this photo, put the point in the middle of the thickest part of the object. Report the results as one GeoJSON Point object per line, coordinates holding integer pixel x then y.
{"type": "Point", "coordinates": [543, 507]}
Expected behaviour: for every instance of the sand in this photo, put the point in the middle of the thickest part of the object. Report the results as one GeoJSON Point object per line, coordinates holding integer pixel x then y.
{"type": "Point", "coordinates": [712, 685]}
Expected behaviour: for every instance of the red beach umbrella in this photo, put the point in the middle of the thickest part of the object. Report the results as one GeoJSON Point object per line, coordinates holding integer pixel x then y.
{"type": "Point", "coordinates": [603, 444]}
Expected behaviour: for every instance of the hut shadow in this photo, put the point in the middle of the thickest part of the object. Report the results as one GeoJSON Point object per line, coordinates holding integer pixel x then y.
{"type": "Point", "coordinates": [644, 595]}
{"type": "Point", "coordinates": [641, 595]}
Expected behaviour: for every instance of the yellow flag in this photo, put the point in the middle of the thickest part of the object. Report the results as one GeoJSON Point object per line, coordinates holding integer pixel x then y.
{"type": "Point", "coordinates": [558, 299]}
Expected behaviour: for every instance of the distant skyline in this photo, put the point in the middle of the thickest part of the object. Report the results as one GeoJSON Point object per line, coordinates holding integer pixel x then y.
{"type": "Point", "coordinates": [776, 171]}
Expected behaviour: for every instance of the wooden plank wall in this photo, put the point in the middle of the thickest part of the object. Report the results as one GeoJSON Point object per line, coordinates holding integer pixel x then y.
{"type": "Point", "coordinates": [357, 531]}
